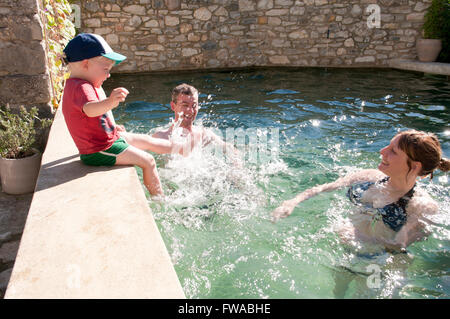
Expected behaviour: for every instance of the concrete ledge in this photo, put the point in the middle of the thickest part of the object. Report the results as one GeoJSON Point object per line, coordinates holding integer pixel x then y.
{"type": "Point", "coordinates": [89, 233]}
{"type": "Point", "coordinates": [426, 67]}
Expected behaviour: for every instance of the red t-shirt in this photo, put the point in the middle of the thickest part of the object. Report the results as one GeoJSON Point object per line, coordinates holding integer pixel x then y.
{"type": "Point", "coordinates": [90, 134]}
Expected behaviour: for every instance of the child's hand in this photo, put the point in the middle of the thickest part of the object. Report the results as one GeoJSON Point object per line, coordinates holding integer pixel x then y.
{"type": "Point", "coordinates": [118, 95]}
{"type": "Point", "coordinates": [121, 128]}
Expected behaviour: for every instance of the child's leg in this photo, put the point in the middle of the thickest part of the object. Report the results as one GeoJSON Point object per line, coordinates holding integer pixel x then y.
{"type": "Point", "coordinates": [157, 145]}
{"type": "Point", "coordinates": [148, 143]}
{"type": "Point", "coordinates": [134, 156]}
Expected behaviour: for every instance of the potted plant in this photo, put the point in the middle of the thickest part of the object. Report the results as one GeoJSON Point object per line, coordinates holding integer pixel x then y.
{"type": "Point", "coordinates": [19, 159]}
{"type": "Point", "coordinates": [434, 29]}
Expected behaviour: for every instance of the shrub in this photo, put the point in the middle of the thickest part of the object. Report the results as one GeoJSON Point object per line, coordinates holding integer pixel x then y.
{"type": "Point", "coordinates": [437, 26]}
{"type": "Point", "coordinates": [18, 131]}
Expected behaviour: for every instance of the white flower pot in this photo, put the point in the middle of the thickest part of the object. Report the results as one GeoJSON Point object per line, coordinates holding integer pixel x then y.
{"type": "Point", "coordinates": [19, 176]}
{"type": "Point", "coordinates": [428, 49]}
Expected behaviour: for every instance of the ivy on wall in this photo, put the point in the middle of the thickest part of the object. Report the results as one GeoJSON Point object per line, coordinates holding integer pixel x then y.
{"type": "Point", "coordinates": [58, 31]}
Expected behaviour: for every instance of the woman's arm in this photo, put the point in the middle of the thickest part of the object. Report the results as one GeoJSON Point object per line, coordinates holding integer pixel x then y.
{"type": "Point", "coordinates": [288, 206]}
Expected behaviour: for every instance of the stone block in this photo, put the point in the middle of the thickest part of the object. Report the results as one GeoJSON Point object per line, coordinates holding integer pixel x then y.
{"type": "Point", "coordinates": [320, 2]}
{"type": "Point", "coordinates": [171, 21]}
{"type": "Point", "coordinates": [356, 11]}
{"type": "Point", "coordinates": [222, 54]}
{"type": "Point", "coordinates": [187, 52]}
{"type": "Point", "coordinates": [112, 39]}
{"type": "Point", "coordinates": [22, 59]}
{"type": "Point", "coordinates": [202, 14]}
{"type": "Point", "coordinates": [152, 24]}
{"type": "Point", "coordinates": [384, 47]}
{"type": "Point", "coordinates": [193, 37]}
{"type": "Point", "coordinates": [274, 21]}
{"type": "Point", "coordinates": [25, 89]}
{"type": "Point", "coordinates": [92, 23]}
{"type": "Point", "coordinates": [300, 34]}
{"type": "Point", "coordinates": [209, 45]}
{"type": "Point", "coordinates": [420, 6]}
{"type": "Point", "coordinates": [91, 6]}
{"type": "Point", "coordinates": [415, 17]}
{"type": "Point", "coordinates": [284, 3]}
{"type": "Point", "coordinates": [365, 59]}
{"type": "Point", "coordinates": [8, 251]}
{"type": "Point", "coordinates": [349, 43]}
{"type": "Point", "coordinates": [135, 21]}
{"type": "Point", "coordinates": [279, 59]}
{"type": "Point", "coordinates": [135, 9]}
{"type": "Point", "coordinates": [246, 5]}
{"type": "Point", "coordinates": [277, 12]}
{"type": "Point", "coordinates": [265, 4]}
{"type": "Point", "coordinates": [155, 47]}
{"type": "Point", "coordinates": [262, 20]}
{"type": "Point", "coordinates": [221, 11]}
{"type": "Point", "coordinates": [103, 32]}
{"type": "Point", "coordinates": [213, 63]}
{"type": "Point", "coordinates": [252, 20]}
{"type": "Point", "coordinates": [4, 279]}
{"type": "Point", "coordinates": [173, 4]}
{"type": "Point", "coordinates": [341, 51]}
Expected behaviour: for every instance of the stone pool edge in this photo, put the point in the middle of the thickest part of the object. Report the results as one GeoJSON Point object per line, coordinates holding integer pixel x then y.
{"type": "Point", "coordinates": [89, 233]}
{"type": "Point", "coordinates": [425, 67]}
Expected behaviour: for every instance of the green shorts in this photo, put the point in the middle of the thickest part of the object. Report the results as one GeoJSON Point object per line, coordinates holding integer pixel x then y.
{"type": "Point", "coordinates": [106, 157]}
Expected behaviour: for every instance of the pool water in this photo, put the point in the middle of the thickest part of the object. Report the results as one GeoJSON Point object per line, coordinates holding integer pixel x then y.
{"type": "Point", "coordinates": [216, 220]}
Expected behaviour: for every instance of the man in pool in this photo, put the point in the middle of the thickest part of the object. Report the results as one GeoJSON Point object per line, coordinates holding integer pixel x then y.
{"type": "Point", "coordinates": [185, 106]}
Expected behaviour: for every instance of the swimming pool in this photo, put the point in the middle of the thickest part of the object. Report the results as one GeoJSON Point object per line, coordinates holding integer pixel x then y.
{"type": "Point", "coordinates": [216, 221]}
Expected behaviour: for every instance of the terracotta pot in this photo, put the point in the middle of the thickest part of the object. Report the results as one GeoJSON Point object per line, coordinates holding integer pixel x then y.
{"type": "Point", "coordinates": [19, 176]}
{"type": "Point", "coordinates": [428, 49]}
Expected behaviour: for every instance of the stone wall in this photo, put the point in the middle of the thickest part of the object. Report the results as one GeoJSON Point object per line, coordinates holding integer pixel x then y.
{"type": "Point", "coordinates": [24, 78]}
{"type": "Point", "coordinates": [192, 34]}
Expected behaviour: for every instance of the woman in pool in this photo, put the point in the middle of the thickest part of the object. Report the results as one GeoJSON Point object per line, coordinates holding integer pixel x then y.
{"type": "Point", "coordinates": [393, 208]}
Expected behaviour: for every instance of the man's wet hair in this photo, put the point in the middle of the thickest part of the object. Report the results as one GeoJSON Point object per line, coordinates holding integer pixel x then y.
{"type": "Point", "coordinates": [185, 89]}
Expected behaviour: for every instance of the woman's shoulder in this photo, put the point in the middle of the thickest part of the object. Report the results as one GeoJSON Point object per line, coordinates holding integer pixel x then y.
{"type": "Point", "coordinates": [364, 175]}
{"type": "Point", "coordinates": [422, 203]}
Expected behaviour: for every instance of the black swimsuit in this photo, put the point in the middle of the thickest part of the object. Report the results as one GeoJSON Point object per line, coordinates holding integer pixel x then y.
{"type": "Point", "coordinates": [394, 215]}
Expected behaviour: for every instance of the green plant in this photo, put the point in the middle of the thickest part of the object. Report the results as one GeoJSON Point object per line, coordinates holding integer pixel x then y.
{"type": "Point", "coordinates": [437, 26]}
{"type": "Point", "coordinates": [18, 131]}
{"type": "Point", "coordinates": [58, 30]}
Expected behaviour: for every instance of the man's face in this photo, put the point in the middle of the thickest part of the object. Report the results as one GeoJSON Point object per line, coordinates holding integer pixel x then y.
{"type": "Point", "coordinates": [186, 108]}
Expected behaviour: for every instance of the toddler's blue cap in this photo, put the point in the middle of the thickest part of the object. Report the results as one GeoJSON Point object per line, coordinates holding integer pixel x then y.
{"type": "Point", "coordinates": [88, 45]}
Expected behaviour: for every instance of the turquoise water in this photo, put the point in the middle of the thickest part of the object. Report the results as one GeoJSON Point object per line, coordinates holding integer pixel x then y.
{"type": "Point", "coordinates": [216, 221]}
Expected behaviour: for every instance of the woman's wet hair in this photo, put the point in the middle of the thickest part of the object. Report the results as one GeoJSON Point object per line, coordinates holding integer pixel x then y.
{"type": "Point", "coordinates": [424, 148]}
{"type": "Point", "coordinates": [185, 89]}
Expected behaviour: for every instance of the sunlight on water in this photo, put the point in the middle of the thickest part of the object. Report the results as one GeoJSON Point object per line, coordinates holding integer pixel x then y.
{"type": "Point", "coordinates": [216, 220]}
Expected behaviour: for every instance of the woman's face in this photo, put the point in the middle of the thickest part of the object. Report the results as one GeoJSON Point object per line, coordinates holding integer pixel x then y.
{"type": "Point", "coordinates": [394, 162]}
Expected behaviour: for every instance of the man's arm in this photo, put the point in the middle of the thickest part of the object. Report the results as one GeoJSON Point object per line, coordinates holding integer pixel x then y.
{"type": "Point", "coordinates": [210, 137]}
{"type": "Point", "coordinates": [161, 134]}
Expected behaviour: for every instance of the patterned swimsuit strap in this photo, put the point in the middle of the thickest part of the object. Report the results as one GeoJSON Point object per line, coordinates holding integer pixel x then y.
{"type": "Point", "coordinates": [403, 201]}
